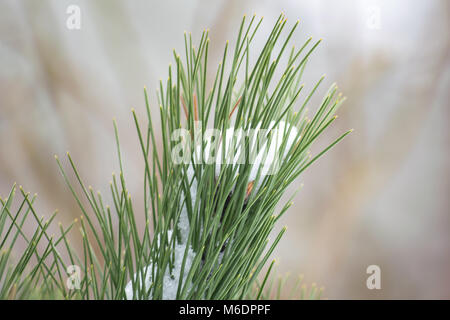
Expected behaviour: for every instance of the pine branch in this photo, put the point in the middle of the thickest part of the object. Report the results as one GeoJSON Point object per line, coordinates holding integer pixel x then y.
{"type": "Point", "coordinates": [210, 196]}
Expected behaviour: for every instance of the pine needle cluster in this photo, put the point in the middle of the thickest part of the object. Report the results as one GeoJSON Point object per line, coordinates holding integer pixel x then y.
{"type": "Point", "coordinates": [207, 223]}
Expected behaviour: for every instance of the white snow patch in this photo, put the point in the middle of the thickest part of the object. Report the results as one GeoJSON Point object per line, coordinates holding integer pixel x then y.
{"type": "Point", "coordinates": [172, 277]}
{"type": "Point", "coordinates": [267, 155]}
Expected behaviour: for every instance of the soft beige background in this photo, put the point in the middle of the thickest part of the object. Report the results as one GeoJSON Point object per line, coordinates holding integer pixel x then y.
{"type": "Point", "coordinates": [381, 197]}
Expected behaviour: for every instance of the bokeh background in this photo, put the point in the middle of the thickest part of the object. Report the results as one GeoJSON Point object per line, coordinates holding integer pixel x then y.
{"type": "Point", "coordinates": [381, 197]}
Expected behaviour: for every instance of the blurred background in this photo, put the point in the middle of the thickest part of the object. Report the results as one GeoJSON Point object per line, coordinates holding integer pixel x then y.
{"type": "Point", "coordinates": [381, 197]}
